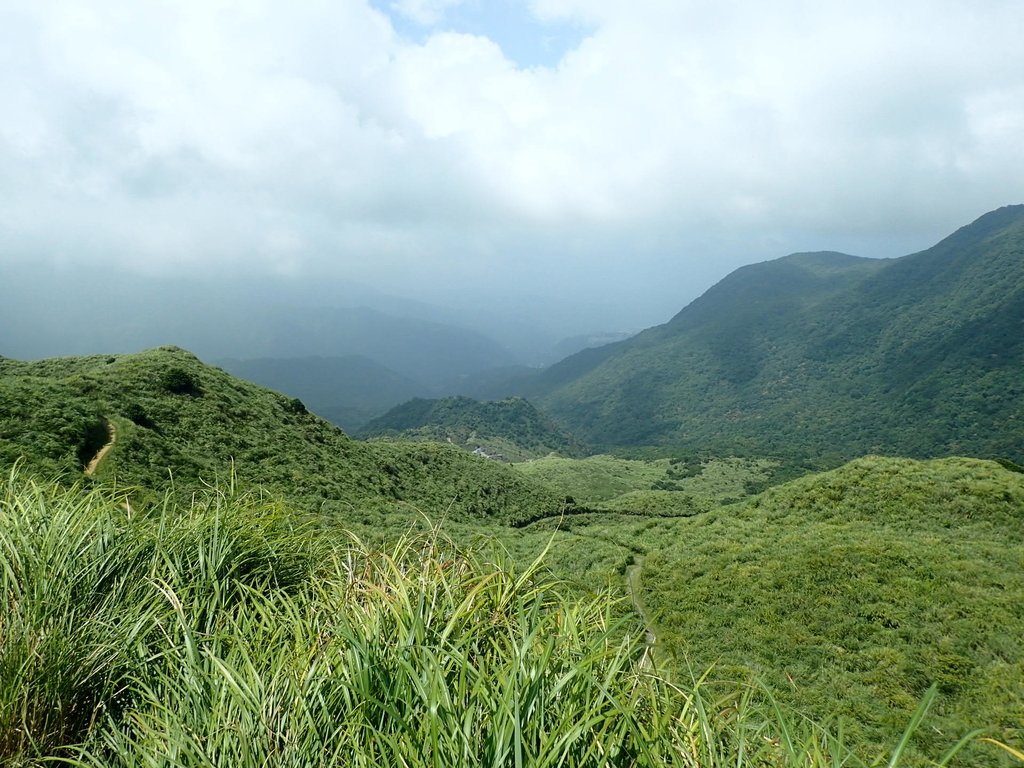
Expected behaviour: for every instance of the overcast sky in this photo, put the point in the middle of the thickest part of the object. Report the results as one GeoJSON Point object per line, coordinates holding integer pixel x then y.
{"type": "Point", "coordinates": [616, 157]}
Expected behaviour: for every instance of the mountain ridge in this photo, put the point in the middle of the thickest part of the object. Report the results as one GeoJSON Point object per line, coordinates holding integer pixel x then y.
{"type": "Point", "coordinates": [238, 318]}
{"type": "Point", "coordinates": [822, 354]}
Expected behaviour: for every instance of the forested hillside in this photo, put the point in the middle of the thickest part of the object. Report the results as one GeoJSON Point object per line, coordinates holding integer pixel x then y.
{"type": "Point", "coordinates": [824, 355]}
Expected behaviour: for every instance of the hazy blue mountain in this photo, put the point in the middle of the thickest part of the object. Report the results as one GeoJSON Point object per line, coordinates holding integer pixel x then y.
{"type": "Point", "coordinates": [347, 391]}
{"type": "Point", "coordinates": [51, 312]}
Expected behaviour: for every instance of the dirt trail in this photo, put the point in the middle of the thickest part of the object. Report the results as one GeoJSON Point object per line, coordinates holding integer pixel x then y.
{"type": "Point", "coordinates": [91, 467]}
{"type": "Point", "coordinates": [633, 579]}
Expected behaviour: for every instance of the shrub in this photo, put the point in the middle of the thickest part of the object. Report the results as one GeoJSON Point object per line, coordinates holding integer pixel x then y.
{"type": "Point", "coordinates": [137, 414]}
{"type": "Point", "coordinates": [178, 381]}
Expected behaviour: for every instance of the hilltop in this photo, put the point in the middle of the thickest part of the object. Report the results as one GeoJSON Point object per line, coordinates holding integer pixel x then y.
{"type": "Point", "coordinates": [823, 355]}
{"type": "Point", "coordinates": [512, 428]}
{"type": "Point", "coordinates": [184, 423]}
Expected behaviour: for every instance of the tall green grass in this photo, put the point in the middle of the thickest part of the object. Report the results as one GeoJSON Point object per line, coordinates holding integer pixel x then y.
{"type": "Point", "coordinates": [82, 582]}
{"type": "Point", "coordinates": [223, 634]}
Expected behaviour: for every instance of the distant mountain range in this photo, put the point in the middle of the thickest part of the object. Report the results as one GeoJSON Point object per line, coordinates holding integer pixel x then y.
{"type": "Point", "coordinates": [347, 391]}
{"type": "Point", "coordinates": [347, 350]}
{"type": "Point", "coordinates": [822, 354]}
{"type": "Point", "coordinates": [48, 312]}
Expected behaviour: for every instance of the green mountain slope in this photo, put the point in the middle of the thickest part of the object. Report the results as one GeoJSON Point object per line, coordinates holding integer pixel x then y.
{"type": "Point", "coordinates": [824, 355]}
{"type": "Point", "coordinates": [179, 421]}
{"type": "Point", "coordinates": [854, 590]}
{"type": "Point", "coordinates": [511, 428]}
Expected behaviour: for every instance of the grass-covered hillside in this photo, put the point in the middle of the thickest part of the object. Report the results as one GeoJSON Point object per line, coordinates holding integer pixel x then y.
{"type": "Point", "coordinates": [510, 429]}
{"type": "Point", "coordinates": [177, 421]}
{"type": "Point", "coordinates": [225, 632]}
{"type": "Point", "coordinates": [657, 487]}
{"type": "Point", "coordinates": [220, 634]}
{"type": "Point", "coordinates": [855, 590]}
{"type": "Point", "coordinates": [215, 611]}
{"type": "Point", "coordinates": [824, 356]}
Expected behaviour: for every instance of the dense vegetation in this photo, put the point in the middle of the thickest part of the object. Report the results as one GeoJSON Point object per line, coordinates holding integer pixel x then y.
{"type": "Point", "coordinates": [228, 632]}
{"type": "Point", "coordinates": [511, 429]}
{"type": "Point", "coordinates": [855, 590]}
{"type": "Point", "coordinates": [663, 487]}
{"type": "Point", "coordinates": [180, 421]}
{"type": "Point", "coordinates": [233, 631]}
{"type": "Point", "coordinates": [220, 634]}
{"type": "Point", "coordinates": [824, 356]}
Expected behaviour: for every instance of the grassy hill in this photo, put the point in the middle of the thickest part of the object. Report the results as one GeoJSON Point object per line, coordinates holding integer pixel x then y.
{"type": "Point", "coordinates": [848, 594]}
{"type": "Point", "coordinates": [511, 428]}
{"type": "Point", "coordinates": [854, 590]}
{"type": "Point", "coordinates": [182, 422]}
{"type": "Point", "coordinates": [823, 355]}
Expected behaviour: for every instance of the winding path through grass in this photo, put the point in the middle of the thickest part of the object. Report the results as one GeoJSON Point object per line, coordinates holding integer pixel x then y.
{"type": "Point", "coordinates": [102, 452]}
{"type": "Point", "coordinates": [633, 580]}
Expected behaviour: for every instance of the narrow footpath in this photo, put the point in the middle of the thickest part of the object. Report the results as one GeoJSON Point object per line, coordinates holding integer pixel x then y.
{"type": "Point", "coordinates": [92, 465]}
{"type": "Point", "coordinates": [633, 579]}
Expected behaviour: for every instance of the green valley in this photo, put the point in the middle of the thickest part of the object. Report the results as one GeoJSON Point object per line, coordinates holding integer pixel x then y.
{"type": "Point", "coordinates": [802, 543]}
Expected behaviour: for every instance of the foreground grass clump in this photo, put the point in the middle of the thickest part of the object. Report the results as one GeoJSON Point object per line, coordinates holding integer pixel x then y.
{"type": "Point", "coordinates": [88, 587]}
{"type": "Point", "coordinates": [221, 634]}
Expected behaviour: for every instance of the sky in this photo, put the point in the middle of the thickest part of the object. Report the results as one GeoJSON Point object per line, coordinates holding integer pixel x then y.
{"type": "Point", "coordinates": [592, 164]}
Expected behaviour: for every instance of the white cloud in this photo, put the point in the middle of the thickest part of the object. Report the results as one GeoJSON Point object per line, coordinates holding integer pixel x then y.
{"type": "Point", "coordinates": [204, 132]}
{"type": "Point", "coordinates": [425, 12]}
